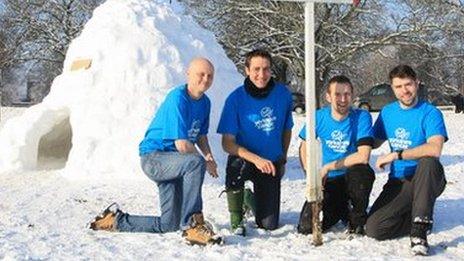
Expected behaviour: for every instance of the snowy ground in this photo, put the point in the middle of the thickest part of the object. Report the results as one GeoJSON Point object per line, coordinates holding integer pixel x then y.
{"type": "Point", "coordinates": [45, 216]}
{"type": "Point", "coordinates": [9, 112]}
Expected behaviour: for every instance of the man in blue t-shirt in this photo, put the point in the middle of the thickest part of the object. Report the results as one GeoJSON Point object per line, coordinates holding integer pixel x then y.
{"type": "Point", "coordinates": [346, 138]}
{"type": "Point", "coordinates": [256, 125]}
{"type": "Point", "coordinates": [415, 131]}
{"type": "Point", "coordinates": [170, 159]}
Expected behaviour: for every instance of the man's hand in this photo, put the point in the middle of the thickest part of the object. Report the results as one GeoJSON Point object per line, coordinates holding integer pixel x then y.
{"type": "Point", "coordinates": [211, 166]}
{"type": "Point", "coordinates": [384, 160]}
{"type": "Point", "coordinates": [265, 166]}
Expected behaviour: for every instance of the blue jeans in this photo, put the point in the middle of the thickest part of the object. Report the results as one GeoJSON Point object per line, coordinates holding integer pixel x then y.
{"type": "Point", "coordinates": [179, 177]}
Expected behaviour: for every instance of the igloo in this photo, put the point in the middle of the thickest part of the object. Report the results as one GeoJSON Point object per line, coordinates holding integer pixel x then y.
{"type": "Point", "coordinates": [132, 52]}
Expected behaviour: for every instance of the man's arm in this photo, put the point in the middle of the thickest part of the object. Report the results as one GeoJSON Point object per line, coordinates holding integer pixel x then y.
{"type": "Point", "coordinates": [203, 145]}
{"type": "Point", "coordinates": [185, 146]}
{"type": "Point", "coordinates": [286, 138]}
{"type": "Point", "coordinates": [359, 157]}
{"type": "Point", "coordinates": [432, 148]}
{"type": "Point", "coordinates": [303, 154]}
{"type": "Point", "coordinates": [231, 147]}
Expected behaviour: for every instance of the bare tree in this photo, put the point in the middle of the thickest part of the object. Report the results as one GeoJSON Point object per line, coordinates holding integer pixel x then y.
{"type": "Point", "coordinates": [39, 33]}
{"type": "Point", "coordinates": [362, 42]}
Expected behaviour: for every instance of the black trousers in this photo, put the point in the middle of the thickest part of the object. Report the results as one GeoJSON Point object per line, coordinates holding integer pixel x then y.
{"type": "Point", "coordinates": [402, 201]}
{"type": "Point", "coordinates": [266, 188]}
{"type": "Point", "coordinates": [345, 198]}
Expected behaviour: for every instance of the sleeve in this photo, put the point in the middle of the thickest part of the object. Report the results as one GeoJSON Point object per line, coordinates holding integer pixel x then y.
{"type": "Point", "coordinates": [175, 123]}
{"type": "Point", "coordinates": [435, 124]}
{"type": "Point", "coordinates": [228, 123]}
{"type": "Point", "coordinates": [364, 125]}
{"type": "Point", "coordinates": [379, 128]}
{"type": "Point", "coordinates": [289, 117]}
{"type": "Point", "coordinates": [205, 124]}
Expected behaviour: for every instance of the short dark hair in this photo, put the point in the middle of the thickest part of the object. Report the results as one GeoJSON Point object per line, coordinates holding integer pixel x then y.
{"type": "Point", "coordinates": [403, 71]}
{"type": "Point", "coordinates": [257, 53]}
{"type": "Point", "coordinates": [340, 79]}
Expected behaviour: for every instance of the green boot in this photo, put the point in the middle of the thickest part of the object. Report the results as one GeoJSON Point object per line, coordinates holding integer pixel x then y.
{"type": "Point", "coordinates": [235, 203]}
{"type": "Point", "coordinates": [249, 203]}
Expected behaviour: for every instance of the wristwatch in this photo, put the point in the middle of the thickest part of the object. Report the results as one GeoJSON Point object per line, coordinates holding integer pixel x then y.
{"type": "Point", "coordinates": [400, 154]}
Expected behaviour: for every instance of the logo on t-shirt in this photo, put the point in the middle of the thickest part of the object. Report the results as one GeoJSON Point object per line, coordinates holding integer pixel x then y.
{"type": "Point", "coordinates": [401, 139]}
{"type": "Point", "coordinates": [337, 143]}
{"type": "Point", "coordinates": [266, 123]}
{"type": "Point", "coordinates": [194, 130]}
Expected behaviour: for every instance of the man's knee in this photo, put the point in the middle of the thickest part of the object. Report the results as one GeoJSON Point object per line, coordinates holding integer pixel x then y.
{"type": "Point", "coordinates": [304, 224]}
{"type": "Point", "coordinates": [196, 161]}
{"type": "Point", "coordinates": [431, 169]}
{"type": "Point", "coordinates": [360, 177]}
{"type": "Point", "coordinates": [429, 161]}
{"type": "Point", "coordinates": [267, 216]}
{"type": "Point", "coordinates": [270, 223]}
{"type": "Point", "coordinates": [362, 172]}
{"type": "Point", "coordinates": [373, 231]}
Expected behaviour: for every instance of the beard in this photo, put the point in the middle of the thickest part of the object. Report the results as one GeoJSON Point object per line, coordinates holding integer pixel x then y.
{"type": "Point", "coordinates": [410, 102]}
{"type": "Point", "coordinates": [342, 109]}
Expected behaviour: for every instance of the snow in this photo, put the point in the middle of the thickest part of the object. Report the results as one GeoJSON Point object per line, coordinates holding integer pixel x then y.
{"type": "Point", "coordinates": [44, 215]}
{"type": "Point", "coordinates": [139, 50]}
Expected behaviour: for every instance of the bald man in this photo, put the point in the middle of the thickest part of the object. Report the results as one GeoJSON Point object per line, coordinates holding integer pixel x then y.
{"type": "Point", "coordinates": [170, 159]}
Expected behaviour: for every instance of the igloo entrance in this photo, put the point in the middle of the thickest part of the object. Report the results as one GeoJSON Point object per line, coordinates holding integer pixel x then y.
{"type": "Point", "coordinates": [54, 146]}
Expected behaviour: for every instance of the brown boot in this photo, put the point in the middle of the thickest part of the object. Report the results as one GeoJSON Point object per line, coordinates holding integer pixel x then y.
{"type": "Point", "coordinates": [106, 219]}
{"type": "Point", "coordinates": [200, 233]}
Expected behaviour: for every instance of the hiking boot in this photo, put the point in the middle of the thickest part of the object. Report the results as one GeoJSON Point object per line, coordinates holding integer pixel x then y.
{"type": "Point", "coordinates": [419, 244]}
{"type": "Point", "coordinates": [200, 232]}
{"type": "Point", "coordinates": [107, 219]}
{"type": "Point", "coordinates": [356, 230]}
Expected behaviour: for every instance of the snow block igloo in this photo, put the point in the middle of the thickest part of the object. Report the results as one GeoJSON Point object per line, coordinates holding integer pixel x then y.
{"type": "Point", "coordinates": [91, 122]}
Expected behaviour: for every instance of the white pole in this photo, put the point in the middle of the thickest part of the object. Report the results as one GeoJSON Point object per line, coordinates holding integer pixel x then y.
{"type": "Point", "coordinates": [313, 188]}
{"type": "Point", "coordinates": [313, 193]}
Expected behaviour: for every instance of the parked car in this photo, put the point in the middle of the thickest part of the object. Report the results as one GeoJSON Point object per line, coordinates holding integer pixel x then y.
{"type": "Point", "coordinates": [298, 102]}
{"type": "Point", "coordinates": [378, 96]}
{"type": "Point", "coordinates": [453, 100]}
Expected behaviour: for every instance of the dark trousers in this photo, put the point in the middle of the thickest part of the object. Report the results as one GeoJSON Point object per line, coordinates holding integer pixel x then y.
{"type": "Point", "coordinates": [266, 188]}
{"type": "Point", "coordinates": [403, 201]}
{"type": "Point", "coordinates": [345, 198]}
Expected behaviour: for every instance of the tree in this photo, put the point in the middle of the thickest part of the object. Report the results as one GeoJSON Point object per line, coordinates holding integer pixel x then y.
{"type": "Point", "coordinates": [361, 42]}
{"type": "Point", "coordinates": [39, 33]}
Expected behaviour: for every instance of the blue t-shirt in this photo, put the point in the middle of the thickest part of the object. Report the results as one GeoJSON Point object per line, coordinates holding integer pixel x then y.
{"type": "Point", "coordinates": [406, 129]}
{"type": "Point", "coordinates": [339, 138]}
{"type": "Point", "coordinates": [179, 117]}
{"type": "Point", "coordinates": [258, 123]}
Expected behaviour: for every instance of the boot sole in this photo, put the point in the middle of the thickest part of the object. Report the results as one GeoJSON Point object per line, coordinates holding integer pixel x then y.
{"type": "Point", "coordinates": [216, 241]}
